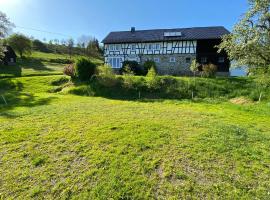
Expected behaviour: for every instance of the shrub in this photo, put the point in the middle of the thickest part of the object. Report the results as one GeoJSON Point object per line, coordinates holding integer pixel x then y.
{"type": "Point", "coordinates": [209, 70]}
{"type": "Point", "coordinates": [132, 67]}
{"type": "Point", "coordinates": [106, 76]}
{"type": "Point", "coordinates": [149, 64]}
{"type": "Point", "coordinates": [84, 69]}
{"type": "Point", "coordinates": [69, 70]}
{"type": "Point", "coordinates": [151, 72]}
{"type": "Point", "coordinates": [60, 81]}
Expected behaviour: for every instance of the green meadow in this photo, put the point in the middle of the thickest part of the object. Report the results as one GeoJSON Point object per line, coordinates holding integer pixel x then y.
{"type": "Point", "coordinates": [57, 145]}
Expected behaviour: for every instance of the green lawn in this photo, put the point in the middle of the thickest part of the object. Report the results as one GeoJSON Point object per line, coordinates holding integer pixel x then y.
{"type": "Point", "coordinates": [56, 146]}
{"type": "Point", "coordinates": [39, 64]}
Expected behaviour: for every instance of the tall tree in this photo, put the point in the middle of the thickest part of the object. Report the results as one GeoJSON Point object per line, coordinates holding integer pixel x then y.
{"type": "Point", "coordinates": [5, 26]}
{"type": "Point", "coordinates": [70, 43]}
{"type": "Point", "coordinates": [20, 43]}
{"type": "Point", "coordinates": [249, 42]}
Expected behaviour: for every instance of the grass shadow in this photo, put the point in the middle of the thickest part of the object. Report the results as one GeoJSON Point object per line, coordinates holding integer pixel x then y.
{"type": "Point", "coordinates": [15, 97]}
{"type": "Point", "coordinates": [33, 63]}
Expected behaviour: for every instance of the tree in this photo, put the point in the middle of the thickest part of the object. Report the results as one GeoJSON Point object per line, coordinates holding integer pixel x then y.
{"type": "Point", "coordinates": [70, 43]}
{"type": "Point", "coordinates": [249, 42]}
{"type": "Point", "coordinates": [39, 46]}
{"type": "Point", "coordinates": [20, 43]}
{"type": "Point", "coordinates": [5, 26]}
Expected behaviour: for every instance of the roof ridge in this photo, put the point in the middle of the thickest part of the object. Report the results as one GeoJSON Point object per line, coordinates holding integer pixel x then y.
{"type": "Point", "coordinates": [164, 29]}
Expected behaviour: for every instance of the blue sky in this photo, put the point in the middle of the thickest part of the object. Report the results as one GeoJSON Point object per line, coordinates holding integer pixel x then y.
{"type": "Point", "coordinates": [74, 18]}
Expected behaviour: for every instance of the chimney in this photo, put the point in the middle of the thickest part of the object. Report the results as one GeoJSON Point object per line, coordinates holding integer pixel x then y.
{"type": "Point", "coordinates": [133, 29]}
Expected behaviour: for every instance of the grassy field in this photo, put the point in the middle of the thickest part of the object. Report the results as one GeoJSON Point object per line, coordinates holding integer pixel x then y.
{"type": "Point", "coordinates": [56, 146]}
{"type": "Point", "coordinates": [39, 64]}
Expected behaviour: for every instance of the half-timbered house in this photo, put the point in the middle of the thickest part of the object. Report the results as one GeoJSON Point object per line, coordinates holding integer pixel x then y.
{"type": "Point", "coordinates": [172, 49]}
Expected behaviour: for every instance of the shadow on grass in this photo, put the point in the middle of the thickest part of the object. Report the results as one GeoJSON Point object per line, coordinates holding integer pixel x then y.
{"type": "Point", "coordinates": [33, 63]}
{"type": "Point", "coordinates": [10, 71]}
{"type": "Point", "coordinates": [12, 96]}
{"type": "Point", "coordinates": [26, 63]}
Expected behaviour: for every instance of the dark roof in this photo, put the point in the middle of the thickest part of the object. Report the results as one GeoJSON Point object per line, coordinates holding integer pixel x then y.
{"type": "Point", "coordinates": [197, 33]}
{"type": "Point", "coordinates": [9, 52]}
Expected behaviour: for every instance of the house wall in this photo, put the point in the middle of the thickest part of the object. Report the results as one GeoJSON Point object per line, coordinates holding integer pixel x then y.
{"type": "Point", "coordinates": [118, 53]}
{"type": "Point", "coordinates": [164, 66]}
{"type": "Point", "coordinates": [208, 49]}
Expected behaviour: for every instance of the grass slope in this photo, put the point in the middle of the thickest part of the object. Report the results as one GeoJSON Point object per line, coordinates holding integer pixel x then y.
{"type": "Point", "coordinates": [39, 64]}
{"type": "Point", "coordinates": [55, 146]}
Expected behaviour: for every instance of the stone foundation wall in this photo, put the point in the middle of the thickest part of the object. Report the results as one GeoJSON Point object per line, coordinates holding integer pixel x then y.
{"type": "Point", "coordinates": [165, 67]}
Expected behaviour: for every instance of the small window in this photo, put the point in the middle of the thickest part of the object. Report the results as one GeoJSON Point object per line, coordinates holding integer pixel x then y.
{"type": "Point", "coordinates": [188, 60]}
{"type": "Point", "coordinates": [150, 47]}
{"type": "Point", "coordinates": [133, 47]}
{"type": "Point", "coordinates": [172, 59]}
{"type": "Point", "coordinates": [157, 46]}
{"type": "Point", "coordinates": [204, 60]}
{"type": "Point", "coordinates": [117, 47]}
{"type": "Point", "coordinates": [157, 60]}
{"type": "Point", "coordinates": [221, 59]}
{"type": "Point", "coordinates": [12, 60]}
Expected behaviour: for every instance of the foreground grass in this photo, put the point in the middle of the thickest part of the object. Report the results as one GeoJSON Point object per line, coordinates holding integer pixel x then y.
{"type": "Point", "coordinates": [40, 64]}
{"type": "Point", "coordinates": [55, 146]}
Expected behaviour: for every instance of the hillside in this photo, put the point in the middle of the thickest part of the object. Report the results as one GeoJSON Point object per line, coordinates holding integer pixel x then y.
{"type": "Point", "coordinates": [40, 64]}
{"type": "Point", "coordinates": [94, 148]}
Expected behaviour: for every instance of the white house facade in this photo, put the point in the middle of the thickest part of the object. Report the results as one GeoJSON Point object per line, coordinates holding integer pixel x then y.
{"type": "Point", "coordinates": [171, 49]}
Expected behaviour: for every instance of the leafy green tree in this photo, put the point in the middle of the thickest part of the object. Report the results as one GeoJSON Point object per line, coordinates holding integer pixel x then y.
{"type": "Point", "coordinates": [40, 46]}
{"type": "Point", "coordinates": [5, 26]}
{"type": "Point", "coordinates": [249, 42]}
{"type": "Point", "coordinates": [21, 44]}
{"type": "Point", "coordinates": [194, 67]}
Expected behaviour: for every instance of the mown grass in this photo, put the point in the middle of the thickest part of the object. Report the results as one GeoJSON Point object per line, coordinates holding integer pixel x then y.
{"type": "Point", "coordinates": [56, 146]}
{"type": "Point", "coordinates": [40, 64]}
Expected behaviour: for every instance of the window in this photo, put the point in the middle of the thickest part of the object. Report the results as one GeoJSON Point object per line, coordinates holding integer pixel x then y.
{"type": "Point", "coordinates": [203, 59]}
{"type": "Point", "coordinates": [221, 59]}
{"type": "Point", "coordinates": [133, 47]}
{"type": "Point", "coordinates": [172, 59]}
{"type": "Point", "coordinates": [157, 60]}
{"type": "Point", "coordinates": [153, 46]}
{"type": "Point", "coordinates": [114, 47]}
{"type": "Point", "coordinates": [188, 60]}
{"type": "Point", "coordinates": [12, 60]}
{"type": "Point", "coordinates": [115, 62]}
{"type": "Point", "coordinates": [157, 46]}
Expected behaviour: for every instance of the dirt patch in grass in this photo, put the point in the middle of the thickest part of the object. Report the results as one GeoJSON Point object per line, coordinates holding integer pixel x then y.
{"type": "Point", "coordinates": [241, 101]}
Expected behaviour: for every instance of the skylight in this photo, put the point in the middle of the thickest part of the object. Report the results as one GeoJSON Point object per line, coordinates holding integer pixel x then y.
{"type": "Point", "coordinates": [172, 34]}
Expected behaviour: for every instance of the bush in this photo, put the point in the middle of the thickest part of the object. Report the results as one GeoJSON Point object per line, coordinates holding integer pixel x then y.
{"type": "Point", "coordinates": [60, 81]}
{"type": "Point", "coordinates": [84, 69]}
{"type": "Point", "coordinates": [151, 72]}
{"type": "Point", "coordinates": [106, 76]}
{"type": "Point", "coordinates": [132, 67]}
{"type": "Point", "coordinates": [149, 64]}
{"type": "Point", "coordinates": [69, 70]}
{"type": "Point", "coordinates": [209, 70]}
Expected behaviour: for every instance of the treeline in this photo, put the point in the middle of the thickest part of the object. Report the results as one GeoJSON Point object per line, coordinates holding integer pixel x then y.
{"type": "Point", "coordinates": [24, 45]}
{"type": "Point", "coordinates": [88, 48]}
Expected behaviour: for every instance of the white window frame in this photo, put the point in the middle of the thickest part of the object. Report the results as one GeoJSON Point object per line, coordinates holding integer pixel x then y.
{"type": "Point", "coordinates": [115, 62]}
{"type": "Point", "coordinates": [157, 60]}
{"type": "Point", "coordinates": [133, 47]}
{"type": "Point", "coordinates": [172, 59]}
{"type": "Point", "coordinates": [114, 47]}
